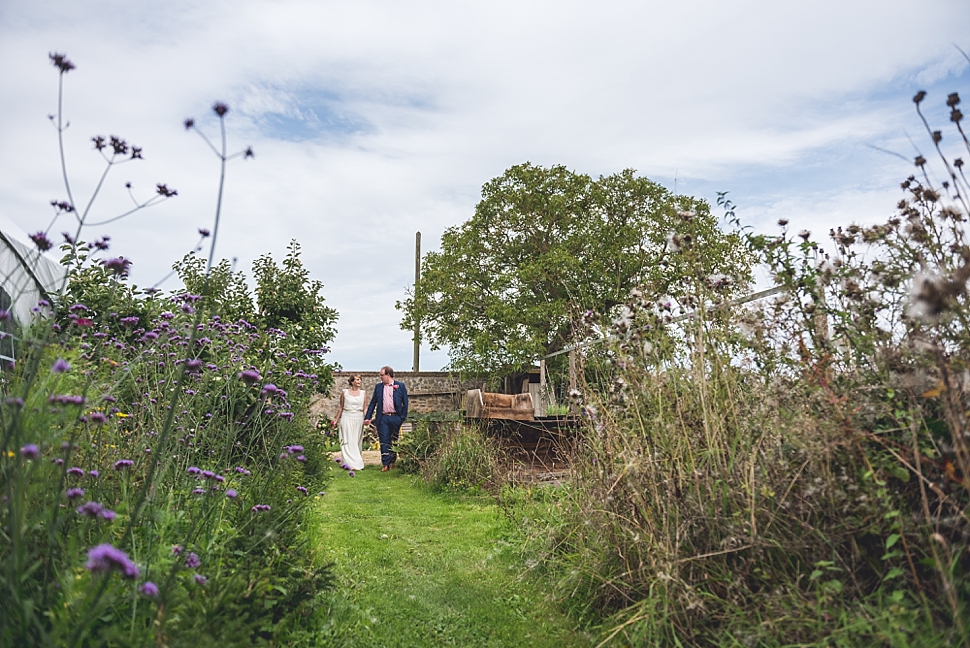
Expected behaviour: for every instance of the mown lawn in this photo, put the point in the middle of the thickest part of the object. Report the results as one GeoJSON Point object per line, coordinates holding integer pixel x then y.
{"type": "Point", "coordinates": [419, 569]}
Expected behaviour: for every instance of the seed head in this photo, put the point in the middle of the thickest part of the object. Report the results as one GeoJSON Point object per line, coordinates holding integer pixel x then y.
{"type": "Point", "coordinates": [220, 108]}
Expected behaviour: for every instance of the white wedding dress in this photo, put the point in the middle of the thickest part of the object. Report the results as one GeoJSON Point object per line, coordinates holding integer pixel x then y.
{"type": "Point", "coordinates": [352, 430]}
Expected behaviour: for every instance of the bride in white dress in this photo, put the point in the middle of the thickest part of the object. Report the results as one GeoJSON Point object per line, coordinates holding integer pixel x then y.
{"type": "Point", "coordinates": [350, 417]}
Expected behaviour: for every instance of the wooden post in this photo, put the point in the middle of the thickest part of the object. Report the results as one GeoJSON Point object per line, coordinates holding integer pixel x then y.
{"type": "Point", "coordinates": [417, 325]}
{"type": "Point", "coordinates": [572, 376]}
{"type": "Point", "coordinates": [543, 396]}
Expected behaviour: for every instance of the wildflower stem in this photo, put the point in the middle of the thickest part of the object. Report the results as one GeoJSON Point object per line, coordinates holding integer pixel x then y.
{"type": "Point", "coordinates": [60, 140]}
{"type": "Point", "coordinates": [222, 182]}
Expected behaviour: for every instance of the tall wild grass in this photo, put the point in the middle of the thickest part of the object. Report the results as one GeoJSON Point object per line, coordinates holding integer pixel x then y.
{"type": "Point", "coordinates": [792, 471]}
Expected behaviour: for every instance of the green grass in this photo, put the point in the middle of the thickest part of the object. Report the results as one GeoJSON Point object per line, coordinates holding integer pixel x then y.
{"type": "Point", "coordinates": [416, 568]}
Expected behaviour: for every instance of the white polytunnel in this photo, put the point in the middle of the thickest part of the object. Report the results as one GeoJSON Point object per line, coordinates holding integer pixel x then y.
{"type": "Point", "coordinates": [27, 275]}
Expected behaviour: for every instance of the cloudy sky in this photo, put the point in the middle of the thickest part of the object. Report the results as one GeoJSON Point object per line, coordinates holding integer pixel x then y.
{"type": "Point", "coordinates": [372, 120]}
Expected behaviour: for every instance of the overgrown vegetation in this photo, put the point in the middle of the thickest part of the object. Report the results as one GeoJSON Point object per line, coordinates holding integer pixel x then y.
{"type": "Point", "coordinates": [793, 472]}
{"type": "Point", "coordinates": [157, 462]}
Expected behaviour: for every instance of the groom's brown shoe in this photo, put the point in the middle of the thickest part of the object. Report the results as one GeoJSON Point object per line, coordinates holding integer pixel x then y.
{"type": "Point", "coordinates": [384, 468]}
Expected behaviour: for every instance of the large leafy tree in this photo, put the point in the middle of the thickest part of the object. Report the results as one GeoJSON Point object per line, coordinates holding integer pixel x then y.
{"type": "Point", "coordinates": [547, 244]}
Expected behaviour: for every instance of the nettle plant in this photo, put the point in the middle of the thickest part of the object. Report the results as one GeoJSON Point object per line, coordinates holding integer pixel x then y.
{"type": "Point", "coordinates": [157, 461]}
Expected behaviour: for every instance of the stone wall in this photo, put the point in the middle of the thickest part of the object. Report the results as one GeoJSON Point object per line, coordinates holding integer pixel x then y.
{"type": "Point", "coordinates": [428, 391]}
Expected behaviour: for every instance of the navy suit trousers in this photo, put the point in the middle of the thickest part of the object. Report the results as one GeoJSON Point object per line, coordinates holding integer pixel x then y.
{"type": "Point", "coordinates": [388, 431]}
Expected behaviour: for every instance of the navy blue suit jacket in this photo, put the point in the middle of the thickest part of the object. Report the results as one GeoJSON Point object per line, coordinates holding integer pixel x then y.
{"type": "Point", "coordinates": [376, 406]}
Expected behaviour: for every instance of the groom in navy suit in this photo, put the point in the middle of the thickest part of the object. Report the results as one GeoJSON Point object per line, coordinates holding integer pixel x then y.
{"type": "Point", "coordinates": [390, 407]}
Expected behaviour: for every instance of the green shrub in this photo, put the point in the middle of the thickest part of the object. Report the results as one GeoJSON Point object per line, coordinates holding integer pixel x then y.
{"type": "Point", "coordinates": [466, 459]}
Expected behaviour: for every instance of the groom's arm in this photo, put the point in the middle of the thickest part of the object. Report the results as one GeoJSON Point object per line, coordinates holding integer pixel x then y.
{"type": "Point", "coordinates": [370, 408]}
{"type": "Point", "coordinates": [404, 401]}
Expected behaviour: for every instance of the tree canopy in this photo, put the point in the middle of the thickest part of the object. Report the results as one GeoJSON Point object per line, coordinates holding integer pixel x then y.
{"type": "Point", "coordinates": [544, 246]}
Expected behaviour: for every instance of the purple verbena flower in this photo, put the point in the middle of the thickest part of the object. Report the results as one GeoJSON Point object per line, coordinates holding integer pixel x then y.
{"type": "Point", "coordinates": [121, 464]}
{"type": "Point", "coordinates": [13, 401]}
{"type": "Point", "coordinates": [105, 557]}
{"type": "Point", "coordinates": [260, 507]}
{"type": "Point", "coordinates": [75, 471]}
{"type": "Point", "coordinates": [30, 451]}
{"type": "Point", "coordinates": [60, 366]}
{"type": "Point", "coordinates": [74, 493]}
{"type": "Point", "coordinates": [149, 589]}
{"type": "Point", "coordinates": [118, 265]}
{"type": "Point", "coordinates": [98, 417]}
{"type": "Point", "coordinates": [193, 470]}
{"type": "Point", "coordinates": [303, 490]}
{"type": "Point", "coordinates": [41, 241]}
{"type": "Point", "coordinates": [192, 560]}
{"type": "Point", "coordinates": [200, 579]}
{"type": "Point", "coordinates": [249, 376]}
{"type": "Point", "coordinates": [231, 494]}
{"type": "Point", "coordinates": [90, 509]}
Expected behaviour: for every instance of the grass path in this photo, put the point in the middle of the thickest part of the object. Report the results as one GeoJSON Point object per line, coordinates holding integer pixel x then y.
{"type": "Point", "coordinates": [419, 569]}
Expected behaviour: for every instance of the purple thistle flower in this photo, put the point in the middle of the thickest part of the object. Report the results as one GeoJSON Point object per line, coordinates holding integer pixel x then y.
{"type": "Point", "coordinates": [94, 473]}
{"type": "Point", "coordinates": [129, 321]}
{"type": "Point", "coordinates": [121, 464]}
{"type": "Point", "coordinates": [243, 471]}
{"type": "Point", "coordinates": [351, 474]}
{"type": "Point", "coordinates": [200, 579]}
{"type": "Point", "coordinates": [149, 589]}
{"type": "Point", "coordinates": [104, 558]}
{"type": "Point", "coordinates": [74, 493]}
{"type": "Point", "coordinates": [231, 494]}
{"type": "Point", "coordinates": [176, 549]}
{"type": "Point", "coordinates": [75, 471]}
{"type": "Point", "coordinates": [14, 402]}
{"type": "Point", "coordinates": [60, 366]}
{"type": "Point", "coordinates": [41, 241]}
{"type": "Point", "coordinates": [301, 459]}
{"type": "Point", "coordinates": [30, 451]}
{"type": "Point", "coordinates": [193, 470]}
{"type": "Point", "coordinates": [57, 461]}
{"type": "Point", "coordinates": [303, 490]}
{"type": "Point", "coordinates": [194, 364]}
{"type": "Point", "coordinates": [260, 507]}
{"type": "Point", "coordinates": [270, 388]}
{"type": "Point", "coordinates": [108, 515]}
{"type": "Point", "coordinates": [198, 491]}
{"type": "Point", "coordinates": [98, 417]}
{"type": "Point", "coordinates": [192, 560]}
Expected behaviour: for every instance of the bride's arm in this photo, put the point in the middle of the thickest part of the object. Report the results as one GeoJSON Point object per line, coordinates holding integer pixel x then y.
{"type": "Point", "coordinates": [340, 410]}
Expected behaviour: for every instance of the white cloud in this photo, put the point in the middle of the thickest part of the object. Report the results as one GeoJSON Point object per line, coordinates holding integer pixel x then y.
{"type": "Point", "coordinates": [372, 120]}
